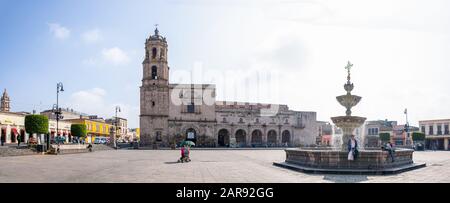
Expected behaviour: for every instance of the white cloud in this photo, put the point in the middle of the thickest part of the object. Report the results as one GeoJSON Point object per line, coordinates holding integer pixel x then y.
{"type": "Point", "coordinates": [92, 36]}
{"type": "Point", "coordinates": [59, 31]}
{"type": "Point", "coordinates": [115, 56]}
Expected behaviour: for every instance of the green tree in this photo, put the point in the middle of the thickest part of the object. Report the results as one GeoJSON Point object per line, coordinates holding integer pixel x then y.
{"type": "Point", "coordinates": [78, 130]}
{"type": "Point", "coordinates": [416, 136]}
{"type": "Point", "coordinates": [36, 124]}
{"type": "Point", "coordinates": [385, 137]}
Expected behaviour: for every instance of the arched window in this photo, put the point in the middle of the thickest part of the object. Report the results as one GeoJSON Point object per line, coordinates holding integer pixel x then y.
{"type": "Point", "coordinates": [162, 53]}
{"type": "Point", "coordinates": [158, 136]}
{"type": "Point", "coordinates": [154, 51]}
{"type": "Point", "coordinates": [154, 72]}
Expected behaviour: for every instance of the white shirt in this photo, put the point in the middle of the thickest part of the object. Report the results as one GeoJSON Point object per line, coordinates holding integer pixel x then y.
{"type": "Point", "coordinates": [353, 143]}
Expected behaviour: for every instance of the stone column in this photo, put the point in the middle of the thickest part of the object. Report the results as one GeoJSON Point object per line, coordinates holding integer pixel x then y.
{"type": "Point", "coordinates": [248, 137]}
{"type": "Point", "coordinates": [8, 134]}
{"type": "Point", "coordinates": [264, 136]}
{"type": "Point", "coordinates": [279, 136]}
{"type": "Point", "coordinates": [446, 144]}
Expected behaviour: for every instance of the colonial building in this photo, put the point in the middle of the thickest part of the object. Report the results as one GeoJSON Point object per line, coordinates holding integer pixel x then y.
{"type": "Point", "coordinates": [12, 125]}
{"type": "Point", "coordinates": [437, 133]}
{"type": "Point", "coordinates": [171, 113]}
{"type": "Point", "coordinates": [66, 113]}
{"type": "Point", "coordinates": [96, 128]}
{"type": "Point", "coordinates": [373, 130]}
{"type": "Point", "coordinates": [121, 125]}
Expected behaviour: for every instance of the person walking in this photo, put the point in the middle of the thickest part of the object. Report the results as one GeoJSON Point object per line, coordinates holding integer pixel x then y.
{"type": "Point", "coordinates": [19, 139]}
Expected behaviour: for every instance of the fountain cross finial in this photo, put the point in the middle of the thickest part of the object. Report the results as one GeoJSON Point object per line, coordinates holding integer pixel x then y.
{"type": "Point", "coordinates": [349, 67]}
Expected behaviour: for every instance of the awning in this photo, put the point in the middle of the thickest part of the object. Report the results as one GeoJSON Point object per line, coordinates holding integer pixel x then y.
{"type": "Point", "coordinates": [14, 131]}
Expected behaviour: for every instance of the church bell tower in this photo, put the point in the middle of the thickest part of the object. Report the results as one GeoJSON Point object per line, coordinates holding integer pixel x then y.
{"type": "Point", "coordinates": [4, 106]}
{"type": "Point", "coordinates": [155, 92]}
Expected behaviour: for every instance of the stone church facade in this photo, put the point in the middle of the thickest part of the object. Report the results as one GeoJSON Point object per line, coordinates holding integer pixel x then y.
{"type": "Point", "coordinates": [171, 113]}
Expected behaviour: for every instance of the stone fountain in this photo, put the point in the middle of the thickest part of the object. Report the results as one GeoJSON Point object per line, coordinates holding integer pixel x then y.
{"type": "Point", "coordinates": [348, 123]}
{"type": "Point", "coordinates": [335, 160]}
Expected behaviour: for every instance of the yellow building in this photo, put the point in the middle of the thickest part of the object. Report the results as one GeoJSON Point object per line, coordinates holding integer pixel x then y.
{"type": "Point", "coordinates": [95, 128]}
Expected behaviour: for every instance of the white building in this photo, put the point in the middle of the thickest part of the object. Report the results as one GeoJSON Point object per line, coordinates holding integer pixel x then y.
{"type": "Point", "coordinates": [437, 133]}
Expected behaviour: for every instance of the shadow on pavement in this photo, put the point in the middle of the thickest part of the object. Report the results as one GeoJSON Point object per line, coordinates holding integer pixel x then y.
{"type": "Point", "coordinates": [172, 162]}
{"type": "Point", "coordinates": [346, 178]}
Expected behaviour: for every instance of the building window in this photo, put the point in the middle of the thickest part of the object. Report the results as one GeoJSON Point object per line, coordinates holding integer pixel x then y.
{"type": "Point", "coordinates": [241, 120]}
{"type": "Point", "coordinates": [191, 108]}
{"type": "Point", "coordinates": [154, 72]}
{"type": "Point", "coordinates": [158, 136]}
{"type": "Point", "coordinates": [423, 129]}
{"type": "Point", "coordinates": [430, 130]}
{"type": "Point", "coordinates": [224, 120]}
{"type": "Point", "coordinates": [154, 51]}
{"type": "Point", "coordinates": [257, 120]}
{"type": "Point", "coordinates": [439, 129]}
{"type": "Point", "coordinates": [373, 131]}
{"type": "Point", "coordinates": [446, 130]}
{"type": "Point", "coordinates": [153, 104]}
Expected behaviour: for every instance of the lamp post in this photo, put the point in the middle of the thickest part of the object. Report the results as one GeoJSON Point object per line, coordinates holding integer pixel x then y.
{"type": "Point", "coordinates": [116, 124]}
{"type": "Point", "coordinates": [407, 126]}
{"type": "Point", "coordinates": [59, 88]}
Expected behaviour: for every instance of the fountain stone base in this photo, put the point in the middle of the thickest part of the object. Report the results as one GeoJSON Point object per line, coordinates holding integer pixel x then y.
{"type": "Point", "coordinates": [376, 162]}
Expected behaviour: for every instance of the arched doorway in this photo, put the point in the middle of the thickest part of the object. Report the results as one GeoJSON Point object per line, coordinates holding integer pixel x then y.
{"type": "Point", "coordinates": [191, 135]}
{"type": "Point", "coordinates": [224, 138]}
{"type": "Point", "coordinates": [286, 138]}
{"type": "Point", "coordinates": [257, 138]}
{"type": "Point", "coordinates": [3, 136]}
{"type": "Point", "coordinates": [22, 135]}
{"type": "Point", "coordinates": [272, 138]}
{"type": "Point", "coordinates": [13, 135]}
{"type": "Point", "coordinates": [241, 139]}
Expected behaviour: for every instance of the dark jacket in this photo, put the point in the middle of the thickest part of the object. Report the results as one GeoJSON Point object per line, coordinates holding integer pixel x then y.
{"type": "Point", "coordinates": [349, 144]}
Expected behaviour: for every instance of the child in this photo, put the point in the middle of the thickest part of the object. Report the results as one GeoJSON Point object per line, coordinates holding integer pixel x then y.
{"type": "Point", "coordinates": [186, 154]}
{"type": "Point", "coordinates": [182, 155]}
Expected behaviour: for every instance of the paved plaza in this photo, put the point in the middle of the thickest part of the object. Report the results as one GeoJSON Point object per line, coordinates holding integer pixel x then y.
{"type": "Point", "coordinates": [210, 166]}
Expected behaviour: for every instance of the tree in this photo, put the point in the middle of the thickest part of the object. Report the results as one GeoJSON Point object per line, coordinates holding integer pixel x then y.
{"type": "Point", "coordinates": [78, 130]}
{"type": "Point", "coordinates": [416, 136]}
{"type": "Point", "coordinates": [36, 124]}
{"type": "Point", "coordinates": [385, 137]}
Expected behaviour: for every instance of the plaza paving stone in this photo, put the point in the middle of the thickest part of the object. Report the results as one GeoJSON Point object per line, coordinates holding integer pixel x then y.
{"type": "Point", "coordinates": [207, 166]}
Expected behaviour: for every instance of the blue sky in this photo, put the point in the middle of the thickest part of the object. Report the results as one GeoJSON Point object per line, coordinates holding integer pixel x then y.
{"type": "Point", "coordinates": [95, 47]}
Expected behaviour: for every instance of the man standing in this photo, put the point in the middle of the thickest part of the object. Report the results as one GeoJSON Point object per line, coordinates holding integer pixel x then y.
{"type": "Point", "coordinates": [352, 149]}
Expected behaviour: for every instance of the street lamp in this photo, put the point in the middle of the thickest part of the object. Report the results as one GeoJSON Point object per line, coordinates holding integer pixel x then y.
{"type": "Point", "coordinates": [59, 88]}
{"type": "Point", "coordinates": [116, 124]}
{"type": "Point", "coordinates": [407, 126]}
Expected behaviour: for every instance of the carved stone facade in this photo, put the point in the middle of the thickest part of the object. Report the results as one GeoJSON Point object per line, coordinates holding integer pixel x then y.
{"type": "Point", "coordinates": [171, 113]}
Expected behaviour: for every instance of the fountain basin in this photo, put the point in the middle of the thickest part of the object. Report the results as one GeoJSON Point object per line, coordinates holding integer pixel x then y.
{"type": "Point", "coordinates": [313, 160]}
